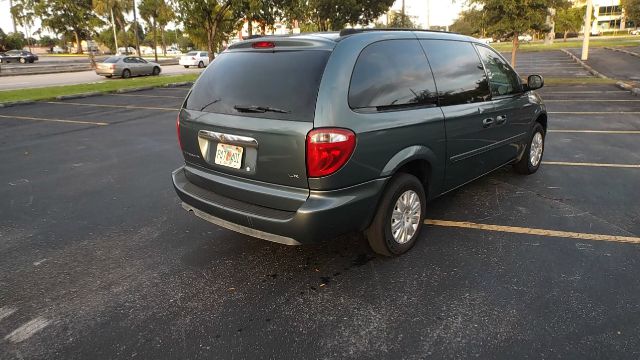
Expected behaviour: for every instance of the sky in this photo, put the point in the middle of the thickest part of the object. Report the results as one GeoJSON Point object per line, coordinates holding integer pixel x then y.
{"type": "Point", "coordinates": [429, 12]}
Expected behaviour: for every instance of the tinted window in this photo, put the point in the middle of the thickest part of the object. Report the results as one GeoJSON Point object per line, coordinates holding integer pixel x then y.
{"type": "Point", "coordinates": [192, 53]}
{"type": "Point", "coordinates": [390, 74]}
{"type": "Point", "coordinates": [459, 74]}
{"type": "Point", "coordinates": [204, 54]}
{"type": "Point", "coordinates": [284, 80]}
{"type": "Point", "coordinates": [502, 80]}
{"type": "Point", "coordinates": [112, 60]}
{"type": "Point", "coordinates": [129, 60]}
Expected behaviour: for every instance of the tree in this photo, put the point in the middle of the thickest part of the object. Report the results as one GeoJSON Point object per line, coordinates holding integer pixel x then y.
{"type": "Point", "coordinates": [515, 17]}
{"type": "Point", "coordinates": [398, 20]}
{"type": "Point", "coordinates": [264, 12]}
{"type": "Point", "coordinates": [113, 12]}
{"type": "Point", "coordinates": [471, 22]}
{"type": "Point", "coordinates": [570, 19]}
{"type": "Point", "coordinates": [204, 20]}
{"type": "Point", "coordinates": [23, 14]}
{"type": "Point", "coordinates": [335, 14]}
{"type": "Point", "coordinates": [12, 41]}
{"type": "Point", "coordinates": [68, 17]}
{"type": "Point", "coordinates": [631, 10]}
{"type": "Point", "coordinates": [155, 12]}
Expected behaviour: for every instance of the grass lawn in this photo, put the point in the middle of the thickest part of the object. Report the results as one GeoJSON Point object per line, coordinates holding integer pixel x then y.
{"type": "Point", "coordinates": [573, 43]}
{"type": "Point", "coordinates": [102, 86]}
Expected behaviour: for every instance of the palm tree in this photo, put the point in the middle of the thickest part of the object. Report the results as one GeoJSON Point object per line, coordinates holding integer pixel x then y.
{"type": "Point", "coordinates": [113, 10]}
{"type": "Point", "coordinates": [157, 13]}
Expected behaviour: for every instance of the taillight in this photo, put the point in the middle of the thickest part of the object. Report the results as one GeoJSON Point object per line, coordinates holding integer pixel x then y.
{"type": "Point", "coordinates": [112, 66]}
{"type": "Point", "coordinates": [178, 131]}
{"type": "Point", "coordinates": [328, 150]}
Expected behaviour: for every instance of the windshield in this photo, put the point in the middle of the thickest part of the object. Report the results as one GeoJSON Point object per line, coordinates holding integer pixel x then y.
{"type": "Point", "coordinates": [111, 60]}
{"type": "Point", "coordinates": [278, 85]}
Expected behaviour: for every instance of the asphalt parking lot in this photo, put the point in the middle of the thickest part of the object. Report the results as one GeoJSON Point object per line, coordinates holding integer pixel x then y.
{"type": "Point", "coordinates": [100, 261]}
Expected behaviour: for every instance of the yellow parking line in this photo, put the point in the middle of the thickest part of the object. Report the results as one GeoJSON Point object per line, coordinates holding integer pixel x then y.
{"type": "Point", "coordinates": [534, 231]}
{"type": "Point", "coordinates": [563, 163]}
{"type": "Point", "coordinates": [112, 106]}
{"type": "Point", "coordinates": [54, 120]}
{"type": "Point", "coordinates": [150, 96]}
{"type": "Point", "coordinates": [593, 112]}
{"type": "Point", "coordinates": [596, 131]}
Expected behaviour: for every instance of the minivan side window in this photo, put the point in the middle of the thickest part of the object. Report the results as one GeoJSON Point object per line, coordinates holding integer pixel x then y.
{"type": "Point", "coordinates": [392, 74]}
{"type": "Point", "coordinates": [502, 79]}
{"type": "Point", "coordinates": [459, 74]}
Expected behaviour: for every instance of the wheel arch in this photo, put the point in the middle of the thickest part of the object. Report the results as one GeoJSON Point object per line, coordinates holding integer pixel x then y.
{"type": "Point", "coordinates": [418, 161]}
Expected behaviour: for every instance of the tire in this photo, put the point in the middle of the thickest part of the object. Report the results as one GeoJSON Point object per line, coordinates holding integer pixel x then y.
{"type": "Point", "coordinates": [31, 61]}
{"type": "Point", "coordinates": [200, 65]}
{"type": "Point", "coordinates": [108, 76]}
{"type": "Point", "coordinates": [126, 74]}
{"type": "Point", "coordinates": [380, 234]}
{"type": "Point", "coordinates": [22, 60]}
{"type": "Point", "coordinates": [186, 66]}
{"type": "Point", "coordinates": [531, 160]}
{"type": "Point", "coordinates": [156, 71]}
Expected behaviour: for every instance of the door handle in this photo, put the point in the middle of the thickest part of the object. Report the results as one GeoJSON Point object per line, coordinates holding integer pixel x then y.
{"type": "Point", "coordinates": [487, 122]}
{"type": "Point", "coordinates": [501, 120]}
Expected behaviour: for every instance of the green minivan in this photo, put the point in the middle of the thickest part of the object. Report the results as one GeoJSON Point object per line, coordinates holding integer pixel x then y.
{"type": "Point", "coordinates": [301, 138]}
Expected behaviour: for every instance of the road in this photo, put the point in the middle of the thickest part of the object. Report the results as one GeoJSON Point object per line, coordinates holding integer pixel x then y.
{"type": "Point", "coordinates": [82, 77]}
{"type": "Point", "coordinates": [98, 259]}
{"type": "Point", "coordinates": [613, 64]}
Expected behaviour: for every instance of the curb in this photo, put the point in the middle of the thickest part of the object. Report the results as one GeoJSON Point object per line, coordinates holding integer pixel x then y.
{"type": "Point", "coordinates": [79, 96]}
{"type": "Point", "coordinates": [99, 93]}
{"type": "Point", "coordinates": [624, 86]}
{"type": "Point", "coordinates": [589, 69]}
{"type": "Point", "coordinates": [13, 103]}
{"type": "Point", "coordinates": [632, 53]}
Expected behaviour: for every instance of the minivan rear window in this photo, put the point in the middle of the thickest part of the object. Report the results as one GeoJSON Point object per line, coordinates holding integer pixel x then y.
{"type": "Point", "coordinates": [285, 83]}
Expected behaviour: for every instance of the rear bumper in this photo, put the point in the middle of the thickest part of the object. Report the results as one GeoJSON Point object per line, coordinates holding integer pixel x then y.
{"type": "Point", "coordinates": [325, 214]}
{"type": "Point", "coordinates": [188, 62]}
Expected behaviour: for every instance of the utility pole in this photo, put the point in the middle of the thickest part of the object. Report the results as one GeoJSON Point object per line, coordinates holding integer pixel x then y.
{"type": "Point", "coordinates": [404, 16]}
{"type": "Point", "coordinates": [135, 28]}
{"type": "Point", "coordinates": [115, 34]}
{"type": "Point", "coordinates": [587, 31]}
{"type": "Point", "coordinates": [428, 14]}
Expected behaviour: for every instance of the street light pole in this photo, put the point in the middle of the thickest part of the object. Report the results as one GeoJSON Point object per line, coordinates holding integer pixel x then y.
{"type": "Point", "coordinates": [587, 31]}
{"type": "Point", "coordinates": [135, 28]}
{"type": "Point", "coordinates": [13, 19]}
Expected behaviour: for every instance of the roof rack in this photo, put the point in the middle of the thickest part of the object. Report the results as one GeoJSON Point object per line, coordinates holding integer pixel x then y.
{"type": "Point", "coordinates": [351, 31]}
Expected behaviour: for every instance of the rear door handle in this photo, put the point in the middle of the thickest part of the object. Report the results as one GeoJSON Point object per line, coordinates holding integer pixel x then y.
{"type": "Point", "coordinates": [501, 120]}
{"type": "Point", "coordinates": [487, 122]}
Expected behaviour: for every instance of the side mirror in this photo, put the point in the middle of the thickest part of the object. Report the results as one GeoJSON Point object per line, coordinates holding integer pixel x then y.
{"type": "Point", "coordinates": [535, 82]}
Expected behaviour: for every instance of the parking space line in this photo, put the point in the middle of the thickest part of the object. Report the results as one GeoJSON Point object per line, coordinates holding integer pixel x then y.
{"type": "Point", "coordinates": [6, 311]}
{"type": "Point", "coordinates": [112, 106]}
{"type": "Point", "coordinates": [584, 92]}
{"type": "Point", "coordinates": [533, 231]}
{"type": "Point", "coordinates": [591, 100]}
{"type": "Point", "coordinates": [16, 117]}
{"type": "Point", "coordinates": [629, 132]}
{"type": "Point", "coordinates": [593, 112]}
{"type": "Point", "coordinates": [565, 163]}
{"type": "Point", "coordinates": [27, 330]}
{"type": "Point", "coordinates": [150, 96]}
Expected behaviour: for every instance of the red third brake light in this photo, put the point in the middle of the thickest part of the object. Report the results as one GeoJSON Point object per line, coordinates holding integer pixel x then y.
{"type": "Point", "coordinates": [328, 150]}
{"type": "Point", "coordinates": [263, 45]}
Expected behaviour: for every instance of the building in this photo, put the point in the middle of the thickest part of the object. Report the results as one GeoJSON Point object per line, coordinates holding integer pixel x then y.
{"type": "Point", "coordinates": [608, 15]}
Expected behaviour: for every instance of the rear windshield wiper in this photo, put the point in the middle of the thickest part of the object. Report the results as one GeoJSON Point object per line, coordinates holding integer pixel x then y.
{"type": "Point", "coordinates": [209, 104]}
{"type": "Point", "coordinates": [259, 109]}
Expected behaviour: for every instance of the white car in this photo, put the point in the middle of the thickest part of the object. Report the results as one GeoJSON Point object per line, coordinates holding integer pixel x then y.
{"type": "Point", "coordinates": [488, 40]}
{"type": "Point", "coordinates": [195, 58]}
{"type": "Point", "coordinates": [635, 32]}
{"type": "Point", "coordinates": [525, 38]}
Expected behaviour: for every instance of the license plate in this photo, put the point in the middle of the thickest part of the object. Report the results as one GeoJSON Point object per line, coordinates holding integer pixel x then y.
{"type": "Point", "coordinates": [229, 155]}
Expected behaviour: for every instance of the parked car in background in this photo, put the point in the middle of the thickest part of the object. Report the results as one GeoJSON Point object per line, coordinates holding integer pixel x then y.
{"type": "Point", "coordinates": [126, 51]}
{"type": "Point", "coordinates": [127, 66]}
{"type": "Point", "coordinates": [173, 51]}
{"type": "Point", "coordinates": [635, 32]}
{"type": "Point", "coordinates": [195, 58]}
{"type": "Point", "coordinates": [58, 50]}
{"type": "Point", "coordinates": [21, 56]}
{"type": "Point", "coordinates": [303, 138]}
{"type": "Point", "coordinates": [525, 38]}
{"type": "Point", "coordinates": [488, 40]}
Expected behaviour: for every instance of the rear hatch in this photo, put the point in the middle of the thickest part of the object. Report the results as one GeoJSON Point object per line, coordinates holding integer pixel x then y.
{"type": "Point", "coordinates": [191, 56]}
{"type": "Point", "coordinates": [244, 124]}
